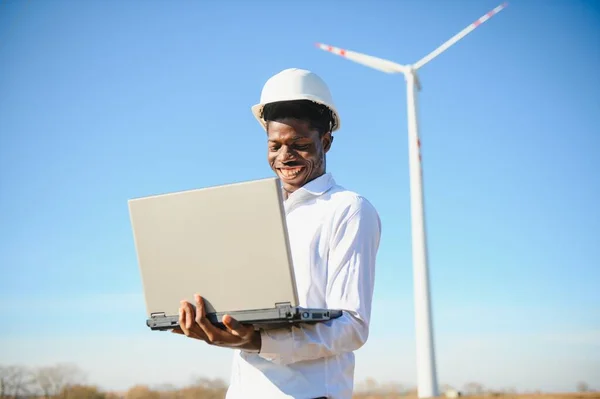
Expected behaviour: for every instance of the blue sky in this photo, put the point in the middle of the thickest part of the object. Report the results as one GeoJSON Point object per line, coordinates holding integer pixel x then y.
{"type": "Point", "coordinates": [104, 101]}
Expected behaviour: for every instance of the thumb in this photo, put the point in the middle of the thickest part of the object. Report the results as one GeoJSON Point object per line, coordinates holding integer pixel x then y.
{"type": "Point", "coordinates": [234, 326]}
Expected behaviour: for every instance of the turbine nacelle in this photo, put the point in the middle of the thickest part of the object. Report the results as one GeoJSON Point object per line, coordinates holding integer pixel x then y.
{"type": "Point", "coordinates": [411, 74]}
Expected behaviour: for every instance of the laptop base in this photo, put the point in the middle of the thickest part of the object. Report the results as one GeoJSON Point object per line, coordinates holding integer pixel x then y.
{"type": "Point", "coordinates": [281, 315]}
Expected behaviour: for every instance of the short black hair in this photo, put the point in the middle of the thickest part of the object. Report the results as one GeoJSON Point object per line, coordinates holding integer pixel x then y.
{"type": "Point", "coordinates": [317, 115]}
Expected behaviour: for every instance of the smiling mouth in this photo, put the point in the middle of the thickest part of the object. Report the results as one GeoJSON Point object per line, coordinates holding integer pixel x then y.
{"type": "Point", "coordinates": [290, 172]}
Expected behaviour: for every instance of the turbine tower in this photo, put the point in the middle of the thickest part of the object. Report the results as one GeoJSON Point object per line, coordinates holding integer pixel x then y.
{"type": "Point", "coordinates": [426, 365]}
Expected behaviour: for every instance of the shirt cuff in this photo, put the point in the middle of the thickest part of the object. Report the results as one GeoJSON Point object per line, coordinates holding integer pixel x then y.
{"type": "Point", "coordinates": [276, 344]}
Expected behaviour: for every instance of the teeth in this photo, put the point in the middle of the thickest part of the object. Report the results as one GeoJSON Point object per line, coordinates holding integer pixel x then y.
{"type": "Point", "coordinates": [290, 173]}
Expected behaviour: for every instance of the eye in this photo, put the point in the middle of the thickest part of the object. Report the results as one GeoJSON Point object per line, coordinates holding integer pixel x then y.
{"type": "Point", "coordinates": [274, 147]}
{"type": "Point", "coordinates": [302, 147]}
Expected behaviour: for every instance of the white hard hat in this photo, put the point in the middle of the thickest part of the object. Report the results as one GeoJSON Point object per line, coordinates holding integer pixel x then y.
{"type": "Point", "coordinates": [295, 84]}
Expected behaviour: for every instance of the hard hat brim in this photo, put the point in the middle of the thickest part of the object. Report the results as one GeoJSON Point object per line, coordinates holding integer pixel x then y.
{"type": "Point", "coordinates": [257, 110]}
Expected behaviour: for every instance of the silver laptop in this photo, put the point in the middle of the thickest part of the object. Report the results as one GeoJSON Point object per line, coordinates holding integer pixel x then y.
{"type": "Point", "coordinates": [229, 244]}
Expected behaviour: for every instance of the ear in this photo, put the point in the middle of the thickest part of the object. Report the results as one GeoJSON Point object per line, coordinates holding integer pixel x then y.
{"type": "Point", "coordinates": [326, 141]}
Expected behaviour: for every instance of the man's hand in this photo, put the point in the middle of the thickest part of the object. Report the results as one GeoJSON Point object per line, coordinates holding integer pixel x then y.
{"type": "Point", "coordinates": [195, 325]}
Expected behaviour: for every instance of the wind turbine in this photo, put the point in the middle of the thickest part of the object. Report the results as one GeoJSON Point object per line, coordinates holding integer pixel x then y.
{"type": "Point", "coordinates": [426, 365]}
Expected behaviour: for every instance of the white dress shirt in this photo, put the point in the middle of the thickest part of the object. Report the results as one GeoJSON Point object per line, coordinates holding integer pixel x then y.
{"type": "Point", "coordinates": [334, 237]}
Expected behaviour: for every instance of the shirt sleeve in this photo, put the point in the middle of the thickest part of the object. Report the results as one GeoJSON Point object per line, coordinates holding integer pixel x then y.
{"type": "Point", "coordinates": [351, 276]}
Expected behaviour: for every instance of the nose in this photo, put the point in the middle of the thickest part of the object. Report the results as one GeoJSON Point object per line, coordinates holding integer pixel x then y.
{"type": "Point", "coordinates": [286, 154]}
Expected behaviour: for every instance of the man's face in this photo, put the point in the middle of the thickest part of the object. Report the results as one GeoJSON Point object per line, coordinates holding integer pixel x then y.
{"type": "Point", "coordinates": [296, 153]}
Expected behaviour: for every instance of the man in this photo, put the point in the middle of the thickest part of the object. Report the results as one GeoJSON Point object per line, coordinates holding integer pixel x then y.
{"type": "Point", "coordinates": [334, 237]}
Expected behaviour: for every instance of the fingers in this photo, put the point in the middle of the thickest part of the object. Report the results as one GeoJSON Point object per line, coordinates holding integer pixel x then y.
{"type": "Point", "coordinates": [231, 323]}
{"type": "Point", "coordinates": [188, 310]}
{"type": "Point", "coordinates": [212, 332]}
{"type": "Point", "coordinates": [200, 311]}
{"type": "Point", "coordinates": [194, 332]}
{"type": "Point", "coordinates": [187, 325]}
{"type": "Point", "coordinates": [197, 333]}
{"type": "Point", "coordinates": [186, 317]}
{"type": "Point", "coordinates": [236, 328]}
{"type": "Point", "coordinates": [193, 323]}
{"type": "Point", "coordinates": [182, 320]}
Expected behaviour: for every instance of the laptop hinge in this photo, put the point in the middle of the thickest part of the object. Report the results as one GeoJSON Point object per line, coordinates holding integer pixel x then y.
{"type": "Point", "coordinates": [285, 309]}
{"type": "Point", "coordinates": [158, 314]}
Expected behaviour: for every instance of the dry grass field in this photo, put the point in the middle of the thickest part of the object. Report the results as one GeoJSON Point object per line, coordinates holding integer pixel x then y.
{"type": "Point", "coordinates": [201, 393]}
{"type": "Point", "coordinates": [198, 392]}
{"type": "Point", "coordinates": [64, 381]}
{"type": "Point", "coordinates": [589, 395]}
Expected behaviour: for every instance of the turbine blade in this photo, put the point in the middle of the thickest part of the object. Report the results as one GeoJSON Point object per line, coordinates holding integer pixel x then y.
{"type": "Point", "coordinates": [458, 36]}
{"type": "Point", "coordinates": [366, 60]}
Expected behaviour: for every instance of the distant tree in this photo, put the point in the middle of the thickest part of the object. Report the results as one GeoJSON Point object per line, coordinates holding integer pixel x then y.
{"type": "Point", "coordinates": [390, 388]}
{"type": "Point", "coordinates": [3, 381]}
{"type": "Point", "coordinates": [204, 388]}
{"type": "Point", "coordinates": [209, 384]}
{"type": "Point", "coordinates": [81, 392]}
{"type": "Point", "coordinates": [15, 381]}
{"type": "Point", "coordinates": [201, 393]}
{"type": "Point", "coordinates": [166, 391]}
{"type": "Point", "coordinates": [52, 380]}
{"type": "Point", "coordinates": [141, 392]}
{"type": "Point", "coordinates": [446, 388]}
{"type": "Point", "coordinates": [449, 391]}
{"type": "Point", "coordinates": [583, 387]}
{"type": "Point", "coordinates": [473, 388]}
{"type": "Point", "coordinates": [371, 385]}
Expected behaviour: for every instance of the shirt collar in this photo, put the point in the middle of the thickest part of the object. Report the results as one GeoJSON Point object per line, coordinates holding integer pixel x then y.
{"type": "Point", "coordinates": [314, 188]}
